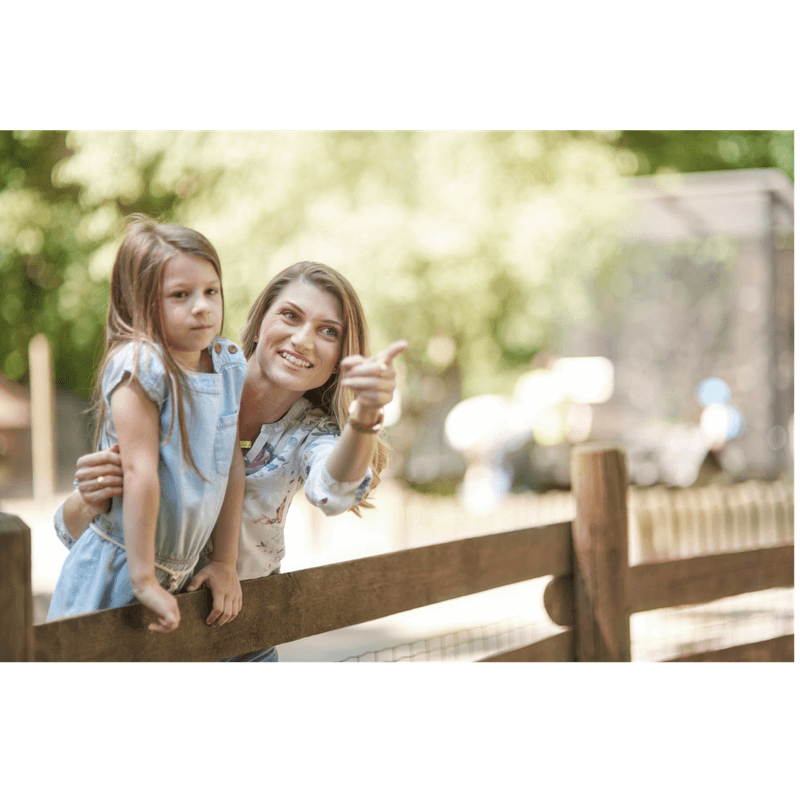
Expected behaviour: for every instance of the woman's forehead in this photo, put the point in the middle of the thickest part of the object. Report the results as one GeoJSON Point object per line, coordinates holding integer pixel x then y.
{"type": "Point", "coordinates": [312, 300]}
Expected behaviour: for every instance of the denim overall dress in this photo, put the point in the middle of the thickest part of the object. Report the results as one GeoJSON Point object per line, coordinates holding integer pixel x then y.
{"type": "Point", "coordinates": [95, 573]}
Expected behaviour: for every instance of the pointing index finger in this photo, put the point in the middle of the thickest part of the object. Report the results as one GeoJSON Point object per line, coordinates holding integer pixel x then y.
{"type": "Point", "coordinates": [392, 351]}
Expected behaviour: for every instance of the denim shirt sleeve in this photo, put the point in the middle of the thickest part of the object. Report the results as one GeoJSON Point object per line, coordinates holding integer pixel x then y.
{"type": "Point", "coordinates": [332, 497]}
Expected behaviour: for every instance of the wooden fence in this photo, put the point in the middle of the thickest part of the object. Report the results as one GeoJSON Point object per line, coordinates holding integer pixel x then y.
{"type": "Point", "coordinates": [678, 523]}
{"type": "Point", "coordinates": [592, 593]}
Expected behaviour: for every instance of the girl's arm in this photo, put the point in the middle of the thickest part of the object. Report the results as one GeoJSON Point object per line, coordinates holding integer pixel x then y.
{"type": "Point", "coordinates": [220, 574]}
{"type": "Point", "coordinates": [136, 420]}
{"type": "Point", "coordinates": [373, 381]}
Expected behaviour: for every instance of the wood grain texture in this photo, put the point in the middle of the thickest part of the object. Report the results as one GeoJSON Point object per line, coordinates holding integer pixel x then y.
{"type": "Point", "coordinates": [16, 600]}
{"type": "Point", "coordinates": [559, 600]}
{"type": "Point", "coordinates": [599, 479]}
{"type": "Point", "coordinates": [290, 606]}
{"type": "Point", "coordinates": [663, 584]}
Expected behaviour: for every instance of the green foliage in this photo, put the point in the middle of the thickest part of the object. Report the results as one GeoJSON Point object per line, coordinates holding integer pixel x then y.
{"type": "Point", "coordinates": [702, 151]}
{"type": "Point", "coordinates": [40, 256]}
{"type": "Point", "coordinates": [488, 241]}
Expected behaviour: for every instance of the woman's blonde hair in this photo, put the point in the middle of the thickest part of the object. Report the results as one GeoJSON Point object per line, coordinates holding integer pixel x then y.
{"type": "Point", "coordinates": [135, 309]}
{"type": "Point", "coordinates": [331, 397]}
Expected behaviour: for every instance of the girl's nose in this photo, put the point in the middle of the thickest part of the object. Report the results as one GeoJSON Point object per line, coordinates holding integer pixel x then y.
{"type": "Point", "coordinates": [201, 306]}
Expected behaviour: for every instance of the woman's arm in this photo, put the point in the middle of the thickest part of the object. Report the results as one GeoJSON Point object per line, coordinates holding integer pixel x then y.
{"type": "Point", "coordinates": [99, 478]}
{"type": "Point", "coordinates": [136, 421]}
{"type": "Point", "coordinates": [373, 381]}
{"type": "Point", "coordinates": [352, 454]}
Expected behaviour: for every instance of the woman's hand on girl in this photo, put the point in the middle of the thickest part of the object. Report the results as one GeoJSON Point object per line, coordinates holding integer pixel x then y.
{"type": "Point", "coordinates": [372, 380]}
{"type": "Point", "coordinates": [98, 478]}
{"type": "Point", "coordinates": [226, 591]}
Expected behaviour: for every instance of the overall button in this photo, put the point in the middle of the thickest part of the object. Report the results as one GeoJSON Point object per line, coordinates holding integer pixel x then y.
{"type": "Point", "coordinates": [217, 348]}
{"type": "Point", "coordinates": [231, 348]}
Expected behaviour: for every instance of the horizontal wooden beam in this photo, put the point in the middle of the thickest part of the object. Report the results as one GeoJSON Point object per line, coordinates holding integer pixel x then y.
{"type": "Point", "coordinates": [689, 581]}
{"type": "Point", "coordinates": [778, 649]}
{"type": "Point", "coordinates": [664, 584]}
{"type": "Point", "coordinates": [560, 647]}
{"type": "Point", "coordinates": [291, 606]}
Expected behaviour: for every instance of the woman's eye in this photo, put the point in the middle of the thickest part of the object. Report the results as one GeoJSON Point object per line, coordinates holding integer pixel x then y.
{"type": "Point", "coordinates": [331, 332]}
{"type": "Point", "coordinates": [290, 315]}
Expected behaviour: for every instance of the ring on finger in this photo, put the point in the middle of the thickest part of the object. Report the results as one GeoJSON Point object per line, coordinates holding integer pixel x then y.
{"type": "Point", "coordinates": [100, 480]}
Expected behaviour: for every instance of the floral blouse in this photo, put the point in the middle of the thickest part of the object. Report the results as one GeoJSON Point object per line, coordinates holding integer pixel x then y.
{"type": "Point", "coordinates": [286, 455]}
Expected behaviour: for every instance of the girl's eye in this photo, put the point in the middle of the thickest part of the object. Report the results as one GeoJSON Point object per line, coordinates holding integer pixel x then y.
{"type": "Point", "coordinates": [179, 295]}
{"type": "Point", "coordinates": [331, 332]}
{"type": "Point", "coordinates": [211, 291]}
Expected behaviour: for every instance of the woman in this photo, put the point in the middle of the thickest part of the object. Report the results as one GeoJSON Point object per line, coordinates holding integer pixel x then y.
{"type": "Point", "coordinates": [310, 414]}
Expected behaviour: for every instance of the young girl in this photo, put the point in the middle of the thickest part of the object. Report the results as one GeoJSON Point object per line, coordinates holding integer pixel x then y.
{"type": "Point", "coordinates": [168, 394]}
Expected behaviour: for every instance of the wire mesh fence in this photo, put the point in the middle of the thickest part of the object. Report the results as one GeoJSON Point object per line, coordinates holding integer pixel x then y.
{"type": "Point", "coordinates": [471, 644]}
{"type": "Point", "coordinates": [664, 524]}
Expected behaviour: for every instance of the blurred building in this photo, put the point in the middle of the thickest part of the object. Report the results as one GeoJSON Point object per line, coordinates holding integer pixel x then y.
{"type": "Point", "coordinates": [705, 290]}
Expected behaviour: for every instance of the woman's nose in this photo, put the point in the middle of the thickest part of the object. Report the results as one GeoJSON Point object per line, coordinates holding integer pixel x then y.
{"type": "Point", "coordinates": [301, 338]}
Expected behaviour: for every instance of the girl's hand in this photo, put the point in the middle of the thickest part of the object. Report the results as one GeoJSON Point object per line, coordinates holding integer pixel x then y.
{"type": "Point", "coordinates": [373, 380]}
{"type": "Point", "coordinates": [150, 593]}
{"type": "Point", "coordinates": [99, 478]}
{"type": "Point", "coordinates": [226, 591]}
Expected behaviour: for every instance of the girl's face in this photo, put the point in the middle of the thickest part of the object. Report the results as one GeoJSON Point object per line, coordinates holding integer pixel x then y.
{"type": "Point", "coordinates": [300, 338]}
{"type": "Point", "coordinates": [191, 307]}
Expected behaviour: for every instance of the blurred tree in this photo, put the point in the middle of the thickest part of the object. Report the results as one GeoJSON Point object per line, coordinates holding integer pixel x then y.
{"type": "Point", "coordinates": [476, 246]}
{"type": "Point", "coordinates": [482, 238]}
{"type": "Point", "coordinates": [702, 151]}
{"type": "Point", "coordinates": [38, 244]}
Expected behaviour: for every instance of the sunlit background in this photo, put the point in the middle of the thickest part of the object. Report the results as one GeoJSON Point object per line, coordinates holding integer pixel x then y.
{"type": "Point", "coordinates": [556, 287]}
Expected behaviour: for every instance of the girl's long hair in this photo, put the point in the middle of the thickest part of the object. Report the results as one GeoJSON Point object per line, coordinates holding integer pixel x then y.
{"type": "Point", "coordinates": [331, 397]}
{"type": "Point", "coordinates": [135, 310]}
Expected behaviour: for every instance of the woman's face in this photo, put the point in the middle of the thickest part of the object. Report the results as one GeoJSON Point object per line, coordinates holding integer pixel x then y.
{"type": "Point", "coordinates": [300, 338]}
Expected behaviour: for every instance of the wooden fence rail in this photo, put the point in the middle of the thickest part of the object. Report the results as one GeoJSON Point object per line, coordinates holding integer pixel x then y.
{"type": "Point", "coordinates": [593, 591]}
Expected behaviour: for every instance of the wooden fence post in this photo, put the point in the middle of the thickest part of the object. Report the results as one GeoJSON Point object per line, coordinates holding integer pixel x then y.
{"type": "Point", "coordinates": [16, 600]}
{"type": "Point", "coordinates": [599, 478]}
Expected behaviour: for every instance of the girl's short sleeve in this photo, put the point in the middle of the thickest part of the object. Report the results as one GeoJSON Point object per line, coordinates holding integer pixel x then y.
{"type": "Point", "coordinates": [148, 369]}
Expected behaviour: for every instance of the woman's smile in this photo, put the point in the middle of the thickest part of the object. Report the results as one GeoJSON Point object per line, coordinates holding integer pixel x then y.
{"type": "Point", "coordinates": [293, 358]}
